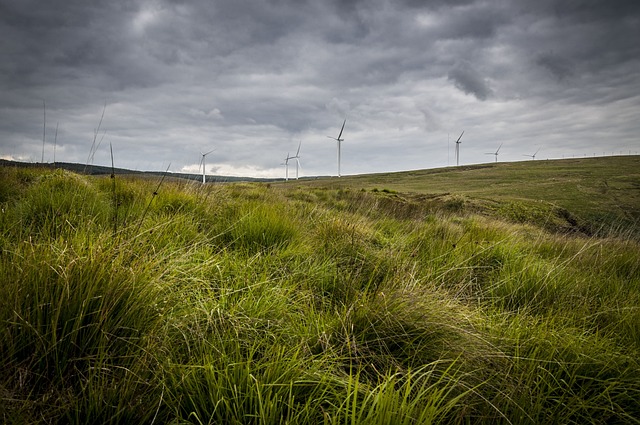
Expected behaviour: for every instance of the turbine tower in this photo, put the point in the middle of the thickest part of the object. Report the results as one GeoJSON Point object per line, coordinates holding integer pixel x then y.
{"type": "Point", "coordinates": [297, 158]}
{"type": "Point", "coordinates": [458, 149]}
{"type": "Point", "coordinates": [286, 167]}
{"type": "Point", "coordinates": [533, 157]}
{"type": "Point", "coordinates": [338, 139]}
{"type": "Point", "coordinates": [495, 153]}
{"type": "Point", "coordinates": [203, 164]}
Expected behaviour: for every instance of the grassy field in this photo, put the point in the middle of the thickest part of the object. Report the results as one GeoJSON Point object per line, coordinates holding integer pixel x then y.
{"type": "Point", "coordinates": [601, 191]}
{"type": "Point", "coordinates": [504, 293]}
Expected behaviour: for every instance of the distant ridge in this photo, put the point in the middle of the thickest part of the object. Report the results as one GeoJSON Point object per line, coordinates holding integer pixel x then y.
{"type": "Point", "coordinates": [97, 170]}
{"type": "Point", "coordinates": [604, 191]}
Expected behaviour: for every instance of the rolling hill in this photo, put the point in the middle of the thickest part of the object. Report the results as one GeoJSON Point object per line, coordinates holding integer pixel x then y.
{"type": "Point", "coordinates": [595, 192]}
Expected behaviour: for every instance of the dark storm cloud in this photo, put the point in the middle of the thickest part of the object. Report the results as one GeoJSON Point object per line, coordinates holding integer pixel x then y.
{"type": "Point", "coordinates": [594, 10]}
{"type": "Point", "coordinates": [593, 34]}
{"type": "Point", "coordinates": [252, 78]}
{"type": "Point", "coordinates": [467, 79]}
{"type": "Point", "coordinates": [434, 4]}
{"type": "Point", "coordinates": [558, 66]}
{"type": "Point", "coordinates": [49, 41]}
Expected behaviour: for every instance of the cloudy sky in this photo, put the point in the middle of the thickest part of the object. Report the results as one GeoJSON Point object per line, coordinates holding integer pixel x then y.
{"type": "Point", "coordinates": [251, 79]}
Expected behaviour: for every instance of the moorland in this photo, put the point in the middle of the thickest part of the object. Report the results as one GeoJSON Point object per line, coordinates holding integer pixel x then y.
{"type": "Point", "coordinates": [497, 293]}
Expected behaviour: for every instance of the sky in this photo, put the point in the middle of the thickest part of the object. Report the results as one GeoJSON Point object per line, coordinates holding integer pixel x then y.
{"type": "Point", "coordinates": [160, 82]}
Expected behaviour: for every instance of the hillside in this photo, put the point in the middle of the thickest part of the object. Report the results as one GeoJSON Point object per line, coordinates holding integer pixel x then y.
{"type": "Point", "coordinates": [101, 170]}
{"type": "Point", "coordinates": [427, 297]}
{"type": "Point", "coordinates": [591, 192]}
{"type": "Point", "coordinates": [602, 191]}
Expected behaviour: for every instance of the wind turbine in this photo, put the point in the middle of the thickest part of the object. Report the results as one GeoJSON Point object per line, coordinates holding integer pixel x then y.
{"type": "Point", "coordinates": [458, 148]}
{"type": "Point", "coordinates": [338, 139]}
{"type": "Point", "coordinates": [495, 153]}
{"type": "Point", "coordinates": [534, 155]}
{"type": "Point", "coordinates": [286, 167]}
{"type": "Point", "coordinates": [297, 158]}
{"type": "Point", "coordinates": [203, 163]}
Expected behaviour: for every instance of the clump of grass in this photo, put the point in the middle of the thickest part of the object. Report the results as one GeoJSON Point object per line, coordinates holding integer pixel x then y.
{"type": "Point", "coordinates": [9, 184]}
{"type": "Point", "coordinates": [74, 318]}
{"type": "Point", "coordinates": [421, 396]}
{"type": "Point", "coordinates": [351, 251]}
{"type": "Point", "coordinates": [559, 374]}
{"type": "Point", "coordinates": [58, 204]}
{"type": "Point", "coordinates": [260, 228]}
{"type": "Point", "coordinates": [127, 197]}
{"type": "Point", "coordinates": [254, 385]}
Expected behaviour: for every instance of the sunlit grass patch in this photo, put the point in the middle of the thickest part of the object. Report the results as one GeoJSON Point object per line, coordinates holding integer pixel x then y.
{"type": "Point", "coordinates": [261, 228]}
{"type": "Point", "coordinates": [58, 204]}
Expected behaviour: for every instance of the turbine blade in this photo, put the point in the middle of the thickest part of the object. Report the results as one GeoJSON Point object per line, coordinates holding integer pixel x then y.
{"type": "Point", "coordinates": [342, 129]}
{"type": "Point", "coordinates": [298, 152]}
{"type": "Point", "coordinates": [458, 141]}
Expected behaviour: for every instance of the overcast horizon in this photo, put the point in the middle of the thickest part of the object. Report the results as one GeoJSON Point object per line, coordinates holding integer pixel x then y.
{"type": "Point", "coordinates": [254, 79]}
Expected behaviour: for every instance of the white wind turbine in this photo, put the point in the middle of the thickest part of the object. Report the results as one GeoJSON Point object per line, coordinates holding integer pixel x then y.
{"type": "Point", "coordinates": [286, 167]}
{"type": "Point", "coordinates": [338, 139]}
{"type": "Point", "coordinates": [297, 158]}
{"type": "Point", "coordinates": [495, 153]}
{"type": "Point", "coordinates": [534, 155]}
{"type": "Point", "coordinates": [202, 163]}
{"type": "Point", "coordinates": [458, 148]}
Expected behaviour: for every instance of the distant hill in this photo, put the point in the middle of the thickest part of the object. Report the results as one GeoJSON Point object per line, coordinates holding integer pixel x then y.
{"type": "Point", "coordinates": [97, 170]}
{"type": "Point", "coordinates": [604, 190]}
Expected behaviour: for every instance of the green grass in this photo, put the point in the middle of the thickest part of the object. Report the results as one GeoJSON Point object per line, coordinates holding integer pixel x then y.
{"type": "Point", "coordinates": [133, 300]}
{"type": "Point", "coordinates": [584, 194]}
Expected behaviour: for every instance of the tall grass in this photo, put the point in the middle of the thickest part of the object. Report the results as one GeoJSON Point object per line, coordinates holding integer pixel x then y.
{"type": "Point", "coordinates": [253, 304]}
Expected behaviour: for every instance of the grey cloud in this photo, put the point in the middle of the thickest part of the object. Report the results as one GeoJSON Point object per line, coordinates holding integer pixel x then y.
{"type": "Point", "coordinates": [284, 69]}
{"type": "Point", "coordinates": [431, 120]}
{"type": "Point", "coordinates": [559, 67]}
{"type": "Point", "coordinates": [593, 34]}
{"type": "Point", "coordinates": [580, 10]}
{"type": "Point", "coordinates": [479, 21]}
{"type": "Point", "coordinates": [72, 42]}
{"type": "Point", "coordinates": [467, 79]}
{"type": "Point", "coordinates": [435, 4]}
{"type": "Point", "coordinates": [595, 10]}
